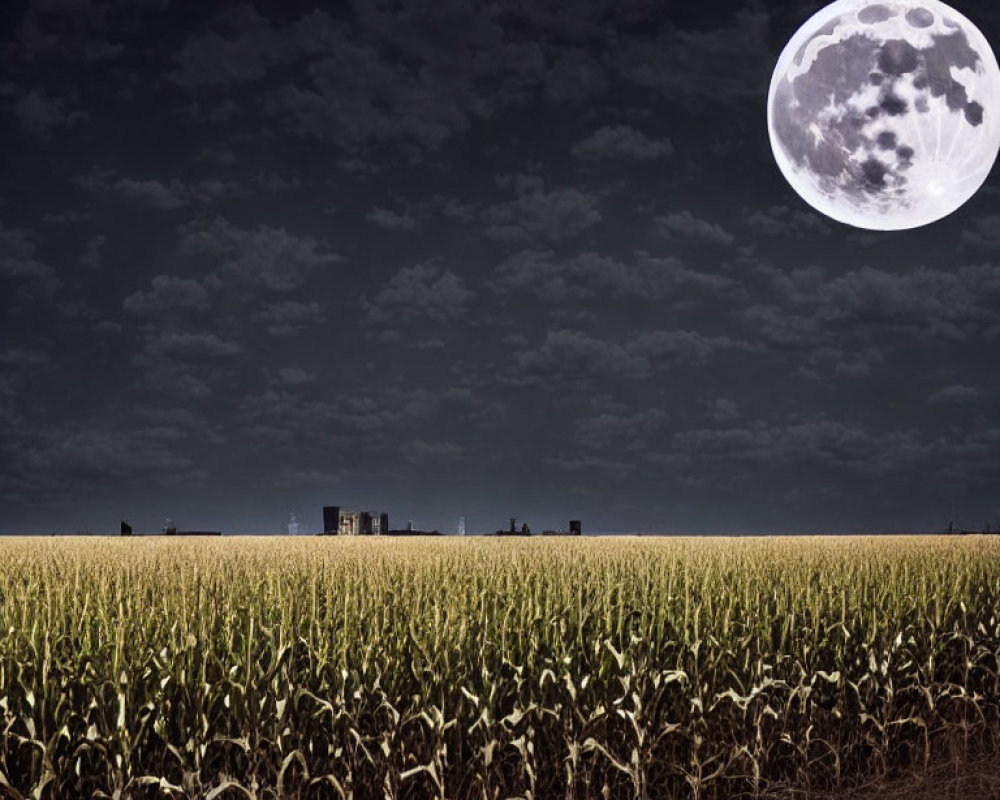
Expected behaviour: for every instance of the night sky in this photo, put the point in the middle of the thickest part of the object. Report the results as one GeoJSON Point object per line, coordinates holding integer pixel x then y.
{"type": "Point", "coordinates": [488, 259]}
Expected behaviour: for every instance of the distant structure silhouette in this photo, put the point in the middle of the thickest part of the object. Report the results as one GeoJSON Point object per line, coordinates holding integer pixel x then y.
{"type": "Point", "coordinates": [350, 523]}
{"type": "Point", "coordinates": [338, 522]}
{"type": "Point", "coordinates": [171, 530]}
{"type": "Point", "coordinates": [575, 529]}
{"type": "Point", "coordinates": [331, 520]}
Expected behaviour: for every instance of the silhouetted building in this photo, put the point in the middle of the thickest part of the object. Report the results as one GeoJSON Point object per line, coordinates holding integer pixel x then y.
{"type": "Point", "coordinates": [365, 523]}
{"type": "Point", "coordinates": [354, 523]}
{"type": "Point", "coordinates": [575, 527]}
{"type": "Point", "coordinates": [513, 530]}
{"type": "Point", "coordinates": [411, 531]}
{"type": "Point", "coordinates": [331, 519]}
{"type": "Point", "coordinates": [349, 523]}
{"type": "Point", "coordinates": [171, 530]}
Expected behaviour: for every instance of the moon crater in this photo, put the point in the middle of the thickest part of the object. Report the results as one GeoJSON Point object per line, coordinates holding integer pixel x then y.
{"type": "Point", "coordinates": [920, 17]}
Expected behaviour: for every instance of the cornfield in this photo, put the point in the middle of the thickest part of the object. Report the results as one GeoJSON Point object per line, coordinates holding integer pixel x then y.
{"type": "Point", "coordinates": [483, 669]}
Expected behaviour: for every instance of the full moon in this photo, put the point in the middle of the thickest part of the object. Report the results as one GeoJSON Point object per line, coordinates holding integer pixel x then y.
{"type": "Point", "coordinates": [885, 115]}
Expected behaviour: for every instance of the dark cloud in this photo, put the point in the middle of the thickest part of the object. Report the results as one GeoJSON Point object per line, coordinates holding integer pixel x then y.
{"type": "Point", "coordinates": [17, 259]}
{"type": "Point", "coordinates": [840, 448]}
{"type": "Point", "coordinates": [185, 365]}
{"type": "Point", "coordinates": [39, 114]}
{"type": "Point", "coordinates": [624, 433]}
{"type": "Point", "coordinates": [152, 193]}
{"type": "Point", "coordinates": [424, 290]}
{"type": "Point", "coordinates": [108, 326]}
{"type": "Point", "coordinates": [537, 215]}
{"type": "Point", "coordinates": [263, 258]}
{"type": "Point", "coordinates": [592, 276]}
{"type": "Point", "coordinates": [289, 478]}
{"type": "Point", "coordinates": [722, 410]}
{"type": "Point", "coordinates": [575, 76]}
{"type": "Point", "coordinates": [721, 456]}
{"type": "Point", "coordinates": [18, 358]}
{"type": "Point", "coordinates": [186, 346]}
{"type": "Point", "coordinates": [66, 218]}
{"type": "Point", "coordinates": [780, 220]}
{"type": "Point", "coordinates": [149, 193]}
{"type": "Point", "coordinates": [62, 464]}
{"type": "Point", "coordinates": [290, 317]}
{"type": "Point", "coordinates": [575, 356]}
{"type": "Point", "coordinates": [723, 65]}
{"type": "Point", "coordinates": [68, 30]}
{"type": "Point", "coordinates": [355, 90]}
{"type": "Point", "coordinates": [289, 420]}
{"type": "Point", "coordinates": [391, 220]}
{"type": "Point", "coordinates": [168, 296]}
{"type": "Point", "coordinates": [621, 141]}
{"type": "Point", "coordinates": [239, 46]}
{"type": "Point", "coordinates": [984, 232]}
{"type": "Point", "coordinates": [91, 256]}
{"type": "Point", "coordinates": [540, 273]}
{"type": "Point", "coordinates": [956, 394]}
{"type": "Point", "coordinates": [295, 376]}
{"type": "Point", "coordinates": [920, 303]}
{"type": "Point", "coordinates": [665, 349]}
{"type": "Point", "coordinates": [686, 225]}
{"type": "Point", "coordinates": [423, 453]}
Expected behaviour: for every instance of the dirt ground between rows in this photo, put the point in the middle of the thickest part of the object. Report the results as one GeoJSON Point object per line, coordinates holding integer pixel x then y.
{"type": "Point", "coordinates": [945, 780]}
